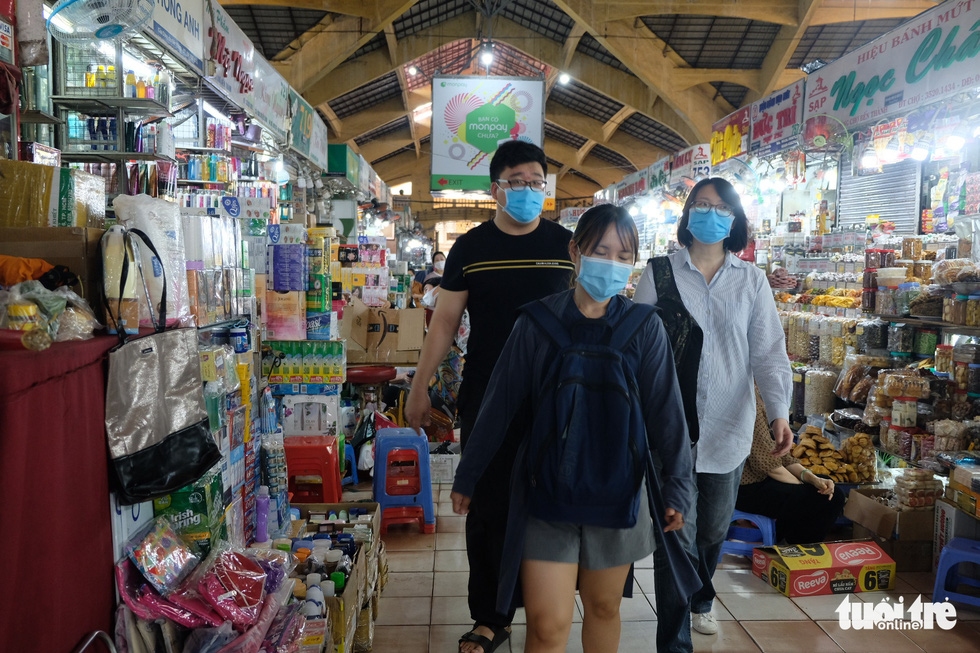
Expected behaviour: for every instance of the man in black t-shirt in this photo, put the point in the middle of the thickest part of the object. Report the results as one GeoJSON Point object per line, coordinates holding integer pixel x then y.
{"type": "Point", "coordinates": [492, 271]}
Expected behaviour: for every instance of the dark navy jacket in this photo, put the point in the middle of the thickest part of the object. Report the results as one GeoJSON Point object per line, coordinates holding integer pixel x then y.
{"type": "Point", "coordinates": [520, 373]}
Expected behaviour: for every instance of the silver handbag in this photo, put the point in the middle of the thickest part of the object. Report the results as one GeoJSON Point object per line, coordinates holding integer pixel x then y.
{"type": "Point", "coordinates": [156, 421]}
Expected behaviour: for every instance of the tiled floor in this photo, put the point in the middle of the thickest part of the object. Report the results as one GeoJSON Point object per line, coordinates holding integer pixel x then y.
{"type": "Point", "coordinates": [424, 608]}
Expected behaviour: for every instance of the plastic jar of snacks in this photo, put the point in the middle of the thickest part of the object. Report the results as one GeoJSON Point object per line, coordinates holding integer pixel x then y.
{"type": "Point", "coordinates": [912, 247]}
{"type": "Point", "coordinates": [901, 338]}
{"type": "Point", "coordinates": [885, 302]}
{"type": "Point", "coordinates": [906, 293]}
{"type": "Point", "coordinates": [961, 406]}
{"type": "Point", "coordinates": [872, 258]}
{"type": "Point", "coordinates": [966, 353]}
{"type": "Point", "coordinates": [813, 343]}
{"type": "Point", "coordinates": [961, 374]}
{"type": "Point", "coordinates": [926, 341]}
{"type": "Point", "coordinates": [958, 314]}
{"type": "Point", "coordinates": [922, 270]}
{"type": "Point", "coordinates": [973, 310]}
{"type": "Point", "coordinates": [908, 265]}
{"type": "Point", "coordinates": [819, 392]}
{"type": "Point", "coordinates": [869, 297]}
{"type": "Point", "coordinates": [973, 379]}
{"type": "Point", "coordinates": [799, 394]}
{"type": "Point", "coordinates": [883, 427]}
{"type": "Point", "coordinates": [904, 411]}
{"type": "Point", "coordinates": [944, 359]}
{"type": "Point", "coordinates": [888, 258]}
{"type": "Point", "coordinates": [870, 278]}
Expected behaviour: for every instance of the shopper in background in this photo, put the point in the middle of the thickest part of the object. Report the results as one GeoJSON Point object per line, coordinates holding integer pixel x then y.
{"type": "Point", "coordinates": [804, 505]}
{"type": "Point", "coordinates": [743, 345]}
{"type": "Point", "coordinates": [492, 271]}
{"type": "Point", "coordinates": [435, 270]}
{"type": "Point", "coordinates": [558, 550]}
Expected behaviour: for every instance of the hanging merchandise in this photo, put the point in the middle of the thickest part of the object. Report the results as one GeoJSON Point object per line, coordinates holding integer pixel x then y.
{"type": "Point", "coordinates": [156, 422]}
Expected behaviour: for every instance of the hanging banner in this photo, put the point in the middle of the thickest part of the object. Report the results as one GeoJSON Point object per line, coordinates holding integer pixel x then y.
{"type": "Point", "coordinates": [659, 174]}
{"type": "Point", "coordinates": [637, 183]}
{"type": "Point", "coordinates": [245, 77]}
{"type": "Point", "coordinates": [730, 136]}
{"type": "Point", "coordinates": [318, 143]}
{"type": "Point", "coordinates": [692, 163]}
{"type": "Point", "coordinates": [930, 57]}
{"type": "Point", "coordinates": [471, 116]}
{"type": "Point", "coordinates": [178, 25]}
{"type": "Point", "coordinates": [776, 121]}
{"type": "Point", "coordinates": [308, 134]}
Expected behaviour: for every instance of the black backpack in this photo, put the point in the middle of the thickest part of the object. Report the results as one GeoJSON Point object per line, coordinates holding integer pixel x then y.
{"type": "Point", "coordinates": [587, 450]}
{"type": "Point", "coordinates": [686, 339]}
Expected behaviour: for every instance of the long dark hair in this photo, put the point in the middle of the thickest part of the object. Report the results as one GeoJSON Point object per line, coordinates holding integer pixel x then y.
{"type": "Point", "coordinates": [739, 236]}
{"type": "Point", "coordinates": [594, 223]}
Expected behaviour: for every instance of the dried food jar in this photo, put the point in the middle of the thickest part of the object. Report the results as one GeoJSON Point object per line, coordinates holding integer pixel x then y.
{"type": "Point", "coordinates": [958, 314]}
{"type": "Point", "coordinates": [813, 343]}
{"type": "Point", "coordinates": [909, 266]}
{"type": "Point", "coordinates": [799, 394]}
{"type": "Point", "coordinates": [966, 352]}
{"type": "Point", "coordinates": [961, 374]}
{"type": "Point", "coordinates": [870, 278]}
{"type": "Point", "coordinates": [948, 301]}
{"type": "Point", "coordinates": [885, 302]}
{"type": "Point", "coordinates": [944, 359]}
{"type": "Point", "coordinates": [922, 270]}
{"type": "Point", "coordinates": [886, 424]}
{"type": "Point", "coordinates": [973, 311]}
{"type": "Point", "coordinates": [872, 258]}
{"type": "Point", "coordinates": [876, 332]}
{"type": "Point", "coordinates": [973, 379]}
{"type": "Point", "coordinates": [818, 395]}
{"type": "Point", "coordinates": [961, 406]}
{"type": "Point", "coordinates": [926, 341]}
{"type": "Point", "coordinates": [888, 258]}
{"type": "Point", "coordinates": [901, 338]}
{"type": "Point", "coordinates": [869, 297]}
{"type": "Point", "coordinates": [912, 247]}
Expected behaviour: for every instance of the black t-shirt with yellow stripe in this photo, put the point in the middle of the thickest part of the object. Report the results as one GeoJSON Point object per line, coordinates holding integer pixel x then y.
{"type": "Point", "coordinates": [502, 273]}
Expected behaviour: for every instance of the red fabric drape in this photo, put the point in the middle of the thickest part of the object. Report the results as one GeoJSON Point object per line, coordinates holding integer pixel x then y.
{"type": "Point", "coordinates": [55, 529]}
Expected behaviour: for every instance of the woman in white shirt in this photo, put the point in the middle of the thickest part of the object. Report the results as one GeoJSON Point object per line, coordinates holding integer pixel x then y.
{"type": "Point", "coordinates": [743, 345]}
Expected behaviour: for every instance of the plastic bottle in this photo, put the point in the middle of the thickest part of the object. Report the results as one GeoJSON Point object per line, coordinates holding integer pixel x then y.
{"type": "Point", "coordinates": [151, 89]}
{"type": "Point", "coordinates": [130, 84]}
{"type": "Point", "coordinates": [262, 514]}
{"type": "Point", "coordinates": [313, 607]}
{"type": "Point", "coordinates": [101, 77]}
{"type": "Point", "coordinates": [90, 76]}
{"type": "Point", "coordinates": [111, 77]}
{"type": "Point", "coordinates": [141, 88]}
{"type": "Point", "coordinates": [327, 587]}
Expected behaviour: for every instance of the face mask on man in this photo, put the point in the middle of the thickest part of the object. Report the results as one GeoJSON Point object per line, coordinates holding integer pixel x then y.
{"type": "Point", "coordinates": [524, 205]}
{"type": "Point", "coordinates": [602, 278]}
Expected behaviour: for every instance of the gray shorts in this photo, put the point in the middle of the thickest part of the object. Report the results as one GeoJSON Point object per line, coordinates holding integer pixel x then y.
{"type": "Point", "coordinates": [591, 547]}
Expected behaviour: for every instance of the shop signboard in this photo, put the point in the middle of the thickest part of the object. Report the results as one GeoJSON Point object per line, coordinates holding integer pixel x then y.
{"type": "Point", "coordinates": [550, 203]}
{"type": "Point", "coordinates": [178, 25]}
{"type": "Point", "coordinates": [471, 116]}
{"type": "Point", "coordinates": [692, 163]}
{"type": "Point", "coordinates": [659, 174]}
{"type": "Point", "coordinates": [633, 185]}
{"type": "Point", "coordinates": [244, 77]}
{"type": "Point", "coordinates": [308, 134]}
{"type": "Point", "coordinates": [932, 56]}
{"type": "Point", "coordinates": [730, 136]}
{"type": "Point", "coordinates": [343, 163]}
{"type": "Point", "coordinates": [776, 121]}
{"type": "Point", "coordinates": [604, 196]}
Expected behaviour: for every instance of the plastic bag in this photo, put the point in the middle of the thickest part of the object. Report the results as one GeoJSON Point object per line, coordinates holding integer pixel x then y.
{"type": "Point", "coordinates": [160, 221]}
{"type": "Point", "coordinates": [286, 630]}
{"type": "Point", "coordinates": [251, 640]}
{"type": "Point", "coordinates": [78, 321]}
{"type": "Point", "coordinates": [163, 558]}
{"type": "Point", "coordinates": [234, 584]}
{"type": "Point", "coordinates": [145, 602]}
{"type": "Point", "coordinates": [276, 564]}
{"type": "Point", "coordinates": [210, 640]}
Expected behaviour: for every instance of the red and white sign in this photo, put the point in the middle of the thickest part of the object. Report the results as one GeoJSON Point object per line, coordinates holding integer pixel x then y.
{"type": "Point", "coordinates": [813, 583]}
{"type": "Point", "coordinates": [776, 121]}
{"type": "Point", "coordinates": [692, 163]}
{"type": "Point", "coordinates": [858, 554]}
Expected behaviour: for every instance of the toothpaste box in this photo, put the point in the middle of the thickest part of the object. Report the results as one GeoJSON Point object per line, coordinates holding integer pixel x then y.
{"type": "Point", "coordinates": [825, 568]}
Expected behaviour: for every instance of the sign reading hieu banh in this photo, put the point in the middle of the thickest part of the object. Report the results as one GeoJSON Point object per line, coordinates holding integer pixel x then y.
{"type": "Point", "coordinates": [471, 116]}
{"type": "Point", "coordinates": [931, 57]}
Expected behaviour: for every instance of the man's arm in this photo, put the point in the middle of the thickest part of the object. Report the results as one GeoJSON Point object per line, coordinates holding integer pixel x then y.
{"type": "Point", "coordinates": [442, 329]}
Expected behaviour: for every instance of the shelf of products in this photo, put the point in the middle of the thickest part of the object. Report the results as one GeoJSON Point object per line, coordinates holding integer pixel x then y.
{"type": "Point", "coordinates": [112, 157]}
{"type": "Point", "coordinates": [35, 117]}
{"type": "Point", "coordinates": [201, 181]}
{"type": "Point", "coordinates": [204, 150]}
{"type": "Point", "coordinates": [108, 106]}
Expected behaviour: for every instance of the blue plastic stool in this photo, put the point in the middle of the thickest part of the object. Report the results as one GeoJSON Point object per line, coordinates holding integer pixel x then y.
{"type": "Point", "coordinates": [957, 550]}
{"type": "Point", "coordinates": [351, 464]}
{"type": "Point", "coordinates": [764, 533]}
{"type": "Point", "coordinates": [404, 508]}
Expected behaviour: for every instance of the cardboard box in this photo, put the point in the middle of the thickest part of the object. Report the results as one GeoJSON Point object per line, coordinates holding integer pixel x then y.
{"type": "Point", "coordinates": [909, 555]}
{"type": "Point", "coordinates": [825, 568]}
{"type": "Point", "coordinates": [964, 498]}
{"type": "Point", "coordinates": [77, 248]}
{"type": "Point", "coordinates": [382, 335]}
{"type": "Point", "coordinates": [952, 522]}
{"type": "Point", "coordinates": [909, 525]}
{"type": "Point", "coordinates": [310, 415]}
{"type": "Point", "coordinates": [967, 476]}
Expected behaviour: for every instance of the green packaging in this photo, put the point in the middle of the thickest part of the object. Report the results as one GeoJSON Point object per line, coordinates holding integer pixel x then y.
{"type": "Point", "coordinates": [196, 511]}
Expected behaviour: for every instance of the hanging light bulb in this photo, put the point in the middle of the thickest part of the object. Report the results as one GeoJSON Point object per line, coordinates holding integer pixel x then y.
{"type": "Point", "coordinates": [564, 78]}
{"type": "Point", "coordinates": [870, 158]}
{"type": "Point", "coordinates": [412, 70]}
{"type": "Point", "coordinates": [923, 147]}
{"type": "Point", "coordinates": [486, 54]}
{"type": "Point", "coordinates": [891, 152]}
{"type": "Point", "coordinates": [955, 143]}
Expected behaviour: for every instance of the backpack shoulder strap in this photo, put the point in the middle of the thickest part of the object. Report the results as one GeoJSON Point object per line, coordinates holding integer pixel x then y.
{"type": "Point", "coordinates": [549, 323]}
{"type": "Point", "coordinates": [663, 278]}
{"type": "Point", "coordinates": [630, 325]}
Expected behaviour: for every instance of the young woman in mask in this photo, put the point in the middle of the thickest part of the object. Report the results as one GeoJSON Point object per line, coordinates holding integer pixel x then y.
{"type": "Point", "coordinates": [435, 270]}
{"type": "Point", "coordinates": [554, 557]}
{"type": "Point", "coordinates": [743, 344]}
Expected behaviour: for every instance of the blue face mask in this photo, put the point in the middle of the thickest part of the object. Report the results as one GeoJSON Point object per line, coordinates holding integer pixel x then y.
{"type": "Point", "coordinates": [524, 205]}
{"type": "Point", "coordinates": [709, 228]}
{"type": "Point", "coordinates": [602, 278]}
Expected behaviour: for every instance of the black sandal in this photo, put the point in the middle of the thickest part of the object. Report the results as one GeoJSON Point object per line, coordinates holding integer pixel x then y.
{"type": "Point", "coordinates": [501, 634]}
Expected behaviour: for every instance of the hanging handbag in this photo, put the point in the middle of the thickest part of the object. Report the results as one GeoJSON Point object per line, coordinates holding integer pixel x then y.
{"type": "Point", "coordinates": [156, 421]}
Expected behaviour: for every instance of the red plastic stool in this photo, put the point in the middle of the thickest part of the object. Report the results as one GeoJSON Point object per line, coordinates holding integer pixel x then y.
{"type": "Point", "coordinates": [313, 455]}
{"type": "Point", "coordinates": [406, 515]}
{"type": "Point", "coordinates": [369, 380]}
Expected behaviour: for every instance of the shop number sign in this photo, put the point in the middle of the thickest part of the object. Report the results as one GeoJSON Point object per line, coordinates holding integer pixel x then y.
{"type": "Point", "coordinates": [730, 136]}
{"type": "Point", "coordinates": [693, 163]}
{"type": "Point", "coordinates": [925, 60]}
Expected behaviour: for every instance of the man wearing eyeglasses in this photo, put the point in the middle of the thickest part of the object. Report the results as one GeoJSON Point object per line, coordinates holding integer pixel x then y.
{"type": "Point", "coordinates": [492, 271]}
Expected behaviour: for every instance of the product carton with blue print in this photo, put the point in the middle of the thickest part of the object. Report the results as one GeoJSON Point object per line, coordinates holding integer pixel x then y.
{"type": "Point", "coordinates": [825, 568]}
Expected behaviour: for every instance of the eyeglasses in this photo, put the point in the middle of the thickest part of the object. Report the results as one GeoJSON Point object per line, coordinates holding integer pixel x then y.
{"type": "Point", "coordinates": [537, 185]}
{"type": "Point", "coordinates": [703, 207]}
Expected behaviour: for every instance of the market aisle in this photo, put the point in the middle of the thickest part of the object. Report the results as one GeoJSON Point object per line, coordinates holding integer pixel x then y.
{"type": "Point", "coordinates": [424, 608]}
